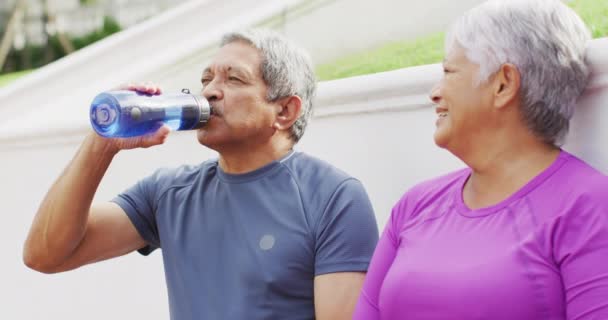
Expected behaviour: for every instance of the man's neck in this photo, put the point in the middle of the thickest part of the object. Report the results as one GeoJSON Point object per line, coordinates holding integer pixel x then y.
{"type": "Point", "coordinates": [247, 158]}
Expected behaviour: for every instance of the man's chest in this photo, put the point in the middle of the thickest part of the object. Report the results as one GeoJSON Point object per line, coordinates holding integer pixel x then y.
{"type": "Point", "coordinates": [252, 245]}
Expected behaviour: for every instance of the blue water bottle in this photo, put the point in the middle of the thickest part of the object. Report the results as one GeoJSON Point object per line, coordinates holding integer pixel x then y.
{"type": "Point", "coordinates": [129, 113]}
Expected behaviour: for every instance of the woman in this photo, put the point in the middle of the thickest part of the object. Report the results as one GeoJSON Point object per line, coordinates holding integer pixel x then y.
{"type": "Point", "coordinates": [522, 233]}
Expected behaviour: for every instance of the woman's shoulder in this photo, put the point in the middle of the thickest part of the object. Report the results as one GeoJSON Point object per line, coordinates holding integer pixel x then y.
{"type": "Point", "coordinates": [575, 190]}
{"type": "Point", "coordinates": [582, 180]}
{"type": "Point", "coordinates": [438, 191]}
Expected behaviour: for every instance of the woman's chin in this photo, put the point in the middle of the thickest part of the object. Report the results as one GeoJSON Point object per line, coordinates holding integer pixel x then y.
{"type": "Point", "coordinates": [441, 138]}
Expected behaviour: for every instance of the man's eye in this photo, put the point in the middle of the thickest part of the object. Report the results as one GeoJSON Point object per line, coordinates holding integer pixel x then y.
{"type": "Point", "coordinates": [205, 81]}
{"type": "Point", "coordinates": [234, 79]}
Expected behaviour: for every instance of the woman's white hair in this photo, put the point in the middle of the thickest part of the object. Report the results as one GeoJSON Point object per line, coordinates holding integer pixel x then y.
{"type": "Point", "coordinates": [286, 68]}
{"type": "Point", "coordinates": [545, 40]}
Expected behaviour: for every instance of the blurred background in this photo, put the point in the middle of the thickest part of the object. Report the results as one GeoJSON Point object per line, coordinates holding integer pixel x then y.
{"type": "Point", "coordinates": [37, 32]}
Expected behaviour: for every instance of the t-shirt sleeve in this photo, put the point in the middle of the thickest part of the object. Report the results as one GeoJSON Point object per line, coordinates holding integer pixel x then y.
{"type": "Point", "coordinates": [139, 203]}
{"type": "Point", "coordinates": [581, 252]}
{"type": "Point", "coordinates": [347, 233]}
{"type": "Point", "coordinates": [382, 260]}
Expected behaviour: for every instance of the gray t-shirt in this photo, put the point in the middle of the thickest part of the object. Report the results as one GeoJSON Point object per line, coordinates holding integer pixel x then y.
{"type": "Point", "coordinates": [248, 246]}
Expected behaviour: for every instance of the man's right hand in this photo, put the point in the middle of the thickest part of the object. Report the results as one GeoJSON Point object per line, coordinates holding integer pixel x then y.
{"type": "Point", "coordinates": [114, 145]}
{"type": "Point", "coordinates": [68, 231]}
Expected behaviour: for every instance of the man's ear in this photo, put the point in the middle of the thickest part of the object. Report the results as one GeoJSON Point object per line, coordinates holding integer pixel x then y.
{"type": "Point", "coordinates": [506, 85]}
{"type": "Point", "coordinates": [288, 111]}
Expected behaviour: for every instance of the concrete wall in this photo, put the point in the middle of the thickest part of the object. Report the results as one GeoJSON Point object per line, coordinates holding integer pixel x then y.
{"type": "Point", "coordinates": [172, 49]}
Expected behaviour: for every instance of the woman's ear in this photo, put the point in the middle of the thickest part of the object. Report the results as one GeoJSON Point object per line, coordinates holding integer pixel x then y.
{"type": "Point", "coordinates": [507, 84]}
{"type": "Point", "coordinates": [288, 111]}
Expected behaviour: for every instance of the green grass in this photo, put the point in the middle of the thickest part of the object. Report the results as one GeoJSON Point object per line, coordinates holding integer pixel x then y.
{"type": "Point", "coordinates": [425, 50]}
{"type": "Point", "coordinates": [387, 57]}
{"type": "Point", "coordinates": [429, 49]}
{"type": "Point", "coordinates": [595, 15]}
{"type": "Point", "coordinates": [9, 77]}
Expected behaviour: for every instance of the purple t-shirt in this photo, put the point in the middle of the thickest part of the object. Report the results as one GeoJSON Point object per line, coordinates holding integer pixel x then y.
{"type": "Point", "coordinates": [540, 254]}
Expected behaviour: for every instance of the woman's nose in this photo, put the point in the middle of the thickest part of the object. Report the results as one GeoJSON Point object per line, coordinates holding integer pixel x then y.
{"type": "Point", "coordinates": [435, 94]}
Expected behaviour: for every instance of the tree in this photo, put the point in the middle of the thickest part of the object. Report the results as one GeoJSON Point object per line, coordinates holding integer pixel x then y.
{"type": "Point", "coordinates": [9, 35]}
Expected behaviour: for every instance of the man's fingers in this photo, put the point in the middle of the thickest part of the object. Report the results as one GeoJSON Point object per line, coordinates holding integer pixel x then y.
{"type": "Point", "coordinates": [151, 88]}
{"type": "Point", "coordinates": [147, 87]}
{"type": "Point", "coordinates": [158, 137]}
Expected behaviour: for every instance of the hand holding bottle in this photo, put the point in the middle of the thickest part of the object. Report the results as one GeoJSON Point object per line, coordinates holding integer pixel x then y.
{"type": "Point", "coordinates": [150, 139]}
{"type": "Point", "coordinates": [142, 110]}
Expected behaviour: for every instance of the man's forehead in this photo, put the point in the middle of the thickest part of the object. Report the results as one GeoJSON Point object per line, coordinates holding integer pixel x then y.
{"type": "Point", "coordinates": [236, 56]}
{"type": "Point", "coordinates": [215, 67]}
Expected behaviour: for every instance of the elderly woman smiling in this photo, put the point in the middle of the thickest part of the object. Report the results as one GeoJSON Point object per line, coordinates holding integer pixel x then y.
{"type": "Point", "coordinates": [522, 233]}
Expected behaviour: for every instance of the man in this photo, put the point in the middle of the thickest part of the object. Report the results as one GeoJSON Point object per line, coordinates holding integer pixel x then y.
{"type": "Point", "coordinates": [263, 232]}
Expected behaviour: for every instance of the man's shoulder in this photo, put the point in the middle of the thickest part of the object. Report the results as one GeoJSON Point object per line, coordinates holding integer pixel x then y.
{"type": "Point", "coordinates": [320, 183]}
{"type": "Point", "coordinates": [309, 170]}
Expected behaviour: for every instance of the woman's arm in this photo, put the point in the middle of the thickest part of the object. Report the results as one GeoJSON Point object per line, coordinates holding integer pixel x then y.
{"type": "Point", "coordinates": [367, 306]}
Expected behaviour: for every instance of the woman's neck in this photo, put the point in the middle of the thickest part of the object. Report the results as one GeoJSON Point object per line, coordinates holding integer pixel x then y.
{"type": "Point", "coordinates": [500, 170]}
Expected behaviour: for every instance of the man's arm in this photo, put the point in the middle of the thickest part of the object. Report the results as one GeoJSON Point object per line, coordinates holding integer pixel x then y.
{"type": "Point", "coordinates": [336, 295]}
{"type": "Point", "coordinates": [67, 231]}
{"type": "Point", "coordinates": [346, 236]}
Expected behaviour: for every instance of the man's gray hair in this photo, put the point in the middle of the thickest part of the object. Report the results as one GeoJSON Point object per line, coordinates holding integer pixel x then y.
{"type": "Point", "coordinates": [545, 40]}
{"type": "Point", "coordinates": [286, 68]}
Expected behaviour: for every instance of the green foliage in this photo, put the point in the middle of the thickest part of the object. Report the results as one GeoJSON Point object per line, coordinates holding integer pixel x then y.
{"type": "Point", "coordinates": [109, 27]}
{"type": "Point", "coordinates": [429, 49]}
{"type": "Point", "coordinates": [37, 56]}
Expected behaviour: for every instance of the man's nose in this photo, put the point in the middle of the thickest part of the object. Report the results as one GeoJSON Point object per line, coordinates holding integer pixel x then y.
{"type": "Point", "coordinates": [212, 91]}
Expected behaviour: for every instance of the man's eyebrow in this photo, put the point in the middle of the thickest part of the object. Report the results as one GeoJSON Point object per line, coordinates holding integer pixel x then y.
{"type": "Point", "coordinates": [239, 71]}
{"type": "Point", "coordinates": [243, 72]}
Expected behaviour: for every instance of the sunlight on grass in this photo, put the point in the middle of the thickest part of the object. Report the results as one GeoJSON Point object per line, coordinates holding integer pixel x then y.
{"type": "Point", "coordinates": [429, 49]}
{"type": "Point", "coordinates": [595, 15]}
{"type": "Point", "coordinates": [388, 57]}
{"type": "Point", "coordinates": [9, 77]}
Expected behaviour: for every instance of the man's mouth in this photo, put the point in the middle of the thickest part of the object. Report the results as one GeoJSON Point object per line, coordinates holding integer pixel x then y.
{"type": "Point", "coordinates": [215, 111]}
